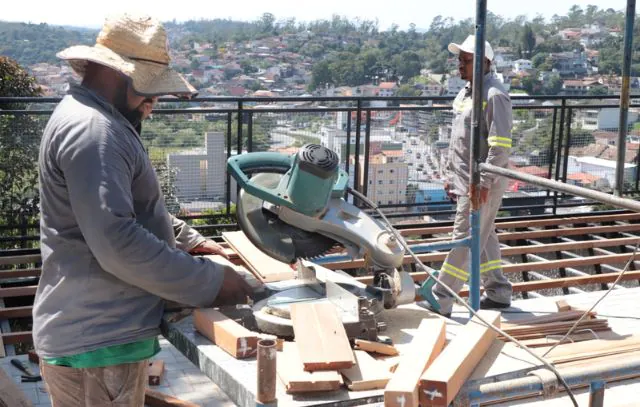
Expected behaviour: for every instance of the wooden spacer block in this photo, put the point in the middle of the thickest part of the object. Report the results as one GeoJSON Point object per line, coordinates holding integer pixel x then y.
{"type": "Point", "coordinates": [226, 333]}
{"type": "Point", "coordinates": [155, 372]}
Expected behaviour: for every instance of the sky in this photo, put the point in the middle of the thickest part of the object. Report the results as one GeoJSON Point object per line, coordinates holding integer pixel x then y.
{"type": "Point", "coordinates": [83, 13]}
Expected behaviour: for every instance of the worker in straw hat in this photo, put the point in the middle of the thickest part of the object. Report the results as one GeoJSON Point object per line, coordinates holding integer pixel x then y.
{"type": "Point", "coordinates": [111, 252]}
{"type": "Point", "coordinates": [495, 146]}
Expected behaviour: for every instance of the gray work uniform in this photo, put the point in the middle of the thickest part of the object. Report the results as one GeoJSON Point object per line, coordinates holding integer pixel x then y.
{"type": "Point", "coordinates": [111, 252]}
{"type": "Point", "coordinates": [495, 148]}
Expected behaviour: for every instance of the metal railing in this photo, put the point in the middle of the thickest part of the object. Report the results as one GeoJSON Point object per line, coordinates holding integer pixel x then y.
{"type": "Point", "coordinates": [568, 139]}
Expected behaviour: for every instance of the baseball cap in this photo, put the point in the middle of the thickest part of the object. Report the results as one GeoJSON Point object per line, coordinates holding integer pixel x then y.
{"type": "Point", "coordinates": [469, 45]}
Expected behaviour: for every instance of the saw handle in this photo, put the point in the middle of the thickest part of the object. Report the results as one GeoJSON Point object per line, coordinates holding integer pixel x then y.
{"type": "Point", "coordinates": [239, 165]}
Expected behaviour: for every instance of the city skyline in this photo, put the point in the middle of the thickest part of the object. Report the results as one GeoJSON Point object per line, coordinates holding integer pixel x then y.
{"type": "Point", "coordinates": [403, 12]}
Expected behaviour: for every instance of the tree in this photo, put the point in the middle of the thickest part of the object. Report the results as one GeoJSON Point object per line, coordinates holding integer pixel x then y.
{"type": "Point", "coordinates": [19, 144]}
{"type": "Point", "coordinates": [528, 40]}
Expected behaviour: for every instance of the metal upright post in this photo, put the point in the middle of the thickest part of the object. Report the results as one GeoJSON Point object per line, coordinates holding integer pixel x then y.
{"type": "Point", "coordinates": [478, 75]}
{"type": "Point", "coordinates": [624, 96]}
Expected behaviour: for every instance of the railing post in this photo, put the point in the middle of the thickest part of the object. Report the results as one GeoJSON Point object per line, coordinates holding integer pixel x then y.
{"type": "Point", "coordinates": [624, 96]}
{"type": "Point", "coordinates": [553, 137]}
{"type": "Point", "coordinates": [367, 152]}
{"type": "Point", "coordinates": [249, 131]}
{"type": "Point", "coordinates": [229, 121]}
{"type": "Point", "coordinates": [356, 169]}
{"type": "Point", "coordinates": [567, 145]}
{"type": "Point", "coordinates": [563, 106]}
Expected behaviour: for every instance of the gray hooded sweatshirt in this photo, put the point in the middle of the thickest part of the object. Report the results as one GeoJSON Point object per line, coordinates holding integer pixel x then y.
{"type": "Point", "coordinates": [111, 252]}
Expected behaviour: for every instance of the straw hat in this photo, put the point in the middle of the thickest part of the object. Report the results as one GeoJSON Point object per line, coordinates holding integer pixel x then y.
{"type": "Point", "coordinates": [136, 46]}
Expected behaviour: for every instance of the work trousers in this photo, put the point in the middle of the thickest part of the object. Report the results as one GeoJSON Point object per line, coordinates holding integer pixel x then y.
{"type": "Point", "coordinates": [455, 269]}
{"type": "Point", "coordinates": [114, 386]}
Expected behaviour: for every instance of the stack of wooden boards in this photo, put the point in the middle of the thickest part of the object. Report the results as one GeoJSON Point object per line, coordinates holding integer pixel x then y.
{"type": "Point", "coordinates": [321, 357]}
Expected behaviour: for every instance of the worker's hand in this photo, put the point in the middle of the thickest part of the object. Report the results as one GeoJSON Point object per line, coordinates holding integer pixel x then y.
{"type": "Point", "coordinates": [451, 195]}
{"type": "Point", "coordinates": [209, 247]}
{"type": "Point", "coordinates": [234, 290]}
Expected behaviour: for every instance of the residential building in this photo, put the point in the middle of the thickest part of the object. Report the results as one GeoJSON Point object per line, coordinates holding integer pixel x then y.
{"type": "Point", "coordinates": [200, 173]}
{"type": "Point", "coordinates": [387, 177]}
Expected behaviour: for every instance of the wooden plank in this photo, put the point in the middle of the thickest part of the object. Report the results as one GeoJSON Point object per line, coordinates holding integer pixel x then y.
{"type": "Point", "coordinates": [543, 319]}
{"type": "Point", "coordinates": [226, 333]}
{"type": "Point", "coordinates": [24, 259]}
{"type": "Point", "coordinates": [18, 273]}
{"type": "Point", "coordinates": [441, 382]}
{"type": "Point", "coordinates": [367, 374]}
{"type": "Point", "coordinates": [9, 292]}
{"type": "Point", "coordinates": [264, 267]}
{"type": "Point", "coordinates": [153, 398]}
{"type": "Point", "coordinates": [16, 312]}
{"type": "Point", "coordinates": [12, 338]}
{"type": "Point", "coordinates": [562, 305]}
{"type": "Point", "coordinates": [297, 380]}
{"type": "Point", "coordinates": [10, 393]}
{"type": "Point", "coordinates": [376, 347]}
{"type": "Point", "coordinates": [426, 345]}
{"type": "Point", "coordinates": [505, 251]}
{"type": "Point", "coordinates": [155, 371]}
{"type": "Point", "coordinates": [320, 336]}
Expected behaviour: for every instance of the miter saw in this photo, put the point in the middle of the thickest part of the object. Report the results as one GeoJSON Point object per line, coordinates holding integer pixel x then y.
{"type": "Point", "coordinates": [293, 207]}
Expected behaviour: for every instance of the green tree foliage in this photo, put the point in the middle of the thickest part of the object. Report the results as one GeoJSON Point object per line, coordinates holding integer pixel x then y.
{"type": "Point", "coordinates": [528, 40]}
{"type": "Point", "coordinates": [19, 143]}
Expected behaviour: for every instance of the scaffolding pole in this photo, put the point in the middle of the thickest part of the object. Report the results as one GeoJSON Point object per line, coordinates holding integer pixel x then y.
{"type": "Point", "coordinates": [624, 97]}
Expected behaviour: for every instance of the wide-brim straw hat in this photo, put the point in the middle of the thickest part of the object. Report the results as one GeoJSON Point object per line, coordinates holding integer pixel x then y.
{"type": "Point", "coordinates": [136, 46]}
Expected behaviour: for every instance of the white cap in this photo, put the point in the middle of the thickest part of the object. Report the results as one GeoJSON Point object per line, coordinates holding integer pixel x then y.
{"type": "Point", "coordinates": [469, 45]}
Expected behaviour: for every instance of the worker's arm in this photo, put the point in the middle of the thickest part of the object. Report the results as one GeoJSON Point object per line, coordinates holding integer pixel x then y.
{"type": "Point", "coordinates": [499, 122]}
{"type": "Point", "coordinates": [187, 238]}
{"type": "Point", "coordinates": [99, 168]}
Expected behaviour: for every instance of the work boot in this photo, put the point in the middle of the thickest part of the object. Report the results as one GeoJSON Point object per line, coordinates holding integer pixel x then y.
{"type": "Point", "coordinates": [488, 303]}
{"type": "Point", "coordinates": [429, 307]}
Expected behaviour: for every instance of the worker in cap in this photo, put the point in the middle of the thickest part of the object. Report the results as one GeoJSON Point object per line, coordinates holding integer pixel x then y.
{"type": "Point", "coordinates": [111, 252]}
{"type": "Point", "coordinates": [495, 142]}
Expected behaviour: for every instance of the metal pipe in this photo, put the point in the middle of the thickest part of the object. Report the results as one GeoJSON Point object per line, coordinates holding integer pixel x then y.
{"type": "Point", "coordinates": [566, 188]}
{"type": "Point", "coordinates": [267, 355]}
{"type": "Point", "coordinates": [575, 376]}
{"type": "Point", "coordinates": [474, 176]}
{"type": "Point", "coordinates": [596, 393]}
{"type": "Point", "coordinates": [624, 96]}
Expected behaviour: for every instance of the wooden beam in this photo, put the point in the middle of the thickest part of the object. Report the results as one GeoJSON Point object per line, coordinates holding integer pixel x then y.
{"type": "Point", "coordinates": [426, 345]}
{"type": "Point", "coordinates": [20, 273]}
{"type": "Point", "coordinates": [226, 333]}
{"type": "Point", "coordinates": [12, 338]}
{"type": "Point", "coordinates": [509, 251]}
{"type": "Point", "coordinates": [9, 292]}
{"type": "Point", "coordinates": [153, 398]}
{"type": "Point", "coordinates": [25, 259]}
{"type": "Point", "coordinates": [442, 381]}
{"type": "Point", "coordinates": [16, 312]}
{"type": "Point", "coordinates": [530, 223]}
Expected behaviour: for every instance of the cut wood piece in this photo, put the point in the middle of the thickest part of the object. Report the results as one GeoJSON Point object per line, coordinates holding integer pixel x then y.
{"type": "Point", "coordinates": [320, 337]}
{"type": "Point", "coordinates": [226, 333]}
{"type": "Point", "coordinates": [441, 382]}
{"type": "Point", "coordinates": [155, 372]}
{"type": "Point", "coordinates": [264, 267]}
{"type": "Point", "coordinates": [367, 373]}
{"type": "Point", "coordinates": [572, 352]}
{"type": "Point", "coordinates": [376, 347]}
{"type": "Point", "coordinates": [10, 393]}
{"type": "Point", "coordinates": [426, 345]}
{"type": "Point", "coordinates": [563, 305]}
{"type": "Point", "coordinates": [544, 319]}
{"type": "Point", "coordinates": [154, 398]}
{"type": "Point", "coordinates": [297, 380]}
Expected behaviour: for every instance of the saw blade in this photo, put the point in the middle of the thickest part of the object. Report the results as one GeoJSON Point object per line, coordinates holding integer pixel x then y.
{"type": "Point", "coordinates": [273, 236]}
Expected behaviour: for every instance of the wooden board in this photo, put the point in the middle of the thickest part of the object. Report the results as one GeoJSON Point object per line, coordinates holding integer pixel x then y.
{"type": "Point", "coordinates": [442, 380]}
{"type": "Point", "coordinates": [226, 333]}
{"type": "Point", "coordinates": [376, 347]}
{"type": "Point", "coordinates": [10, 393]}
{"type": "Point", "coordinates": [297, 380]}
{"type": "Point", "coordinates": [367, 374]}
{"type": "Point", "coordinates": [426, 345]}
{"type": "Point", "coordinates": [264, 267]}
{"type": "Point", "coordinates": [154, 398]}
{"type": "Point", "coordinates": [320, 337]}
{"type": "Point", "coordinates": [155, 370]}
